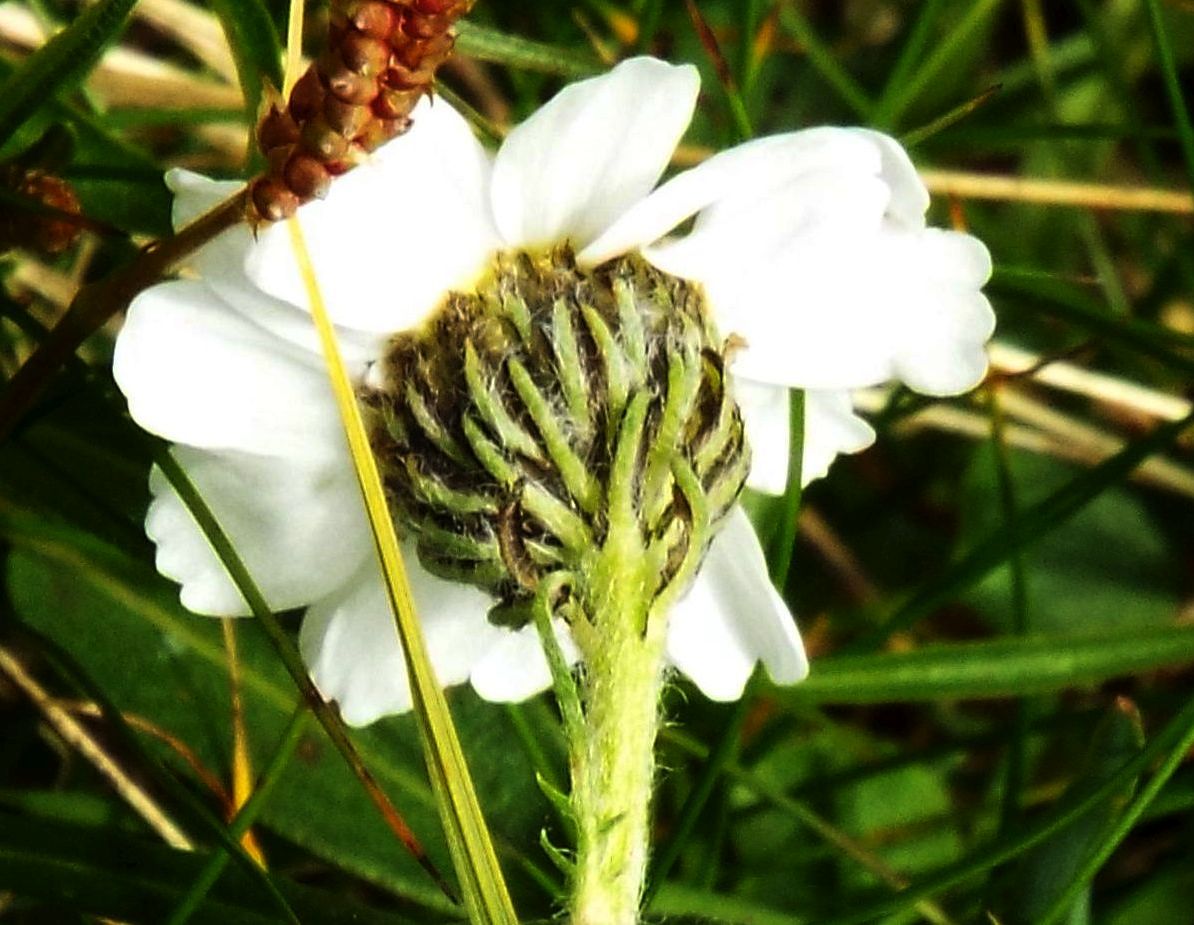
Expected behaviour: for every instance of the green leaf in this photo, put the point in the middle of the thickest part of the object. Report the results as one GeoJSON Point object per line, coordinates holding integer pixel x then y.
{"type": "Point", "coordinates": [60, 64]}
{"type": "Point", "coordinates": [255, 46]}
{"type": "Point", "coordinates": [1006, 667]}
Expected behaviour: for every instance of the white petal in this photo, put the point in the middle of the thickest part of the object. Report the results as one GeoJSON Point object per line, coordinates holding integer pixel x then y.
{"type": "Point", "coordinates": [221, 264]}
{"type": "Point", "coordinates": [351, 647]}
{"type": "Point", "coordinates": [747, 170]}
{"type": "Point", "coordinates": [298, 527]}
{"type": "Point", "coordinates": [766, 416]}
{"type": "Point", "coordinates": [396, 233]}
{"type": "Point", "coordinates": [196, 371]}
{"type": "Point", "coordinates": [588, 155]}
{"type": "Point", "coordinates": [733, 617]}
{"type": "Point", "coordinates": [909, 197]}
{"type": "Point", "coordinates": [391, 238]}
{"type": "Point", "coordinates": [830, 427]}
{"type": "Point", "coordinates": [849, 298]}
{"type": "Point", "coordinates": [515, 667]}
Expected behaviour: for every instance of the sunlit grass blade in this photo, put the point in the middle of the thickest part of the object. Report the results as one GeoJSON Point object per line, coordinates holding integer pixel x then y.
{"type": "Point", "coordinates": [482, 883]}
{"type": "Point", "coordinates": [1035, 522]}
{"type": "Point", "coordinates": [60, 64]}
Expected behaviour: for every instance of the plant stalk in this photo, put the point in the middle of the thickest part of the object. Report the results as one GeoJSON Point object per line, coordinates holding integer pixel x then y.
{"type": "Point", "coordinates": [614, 764]}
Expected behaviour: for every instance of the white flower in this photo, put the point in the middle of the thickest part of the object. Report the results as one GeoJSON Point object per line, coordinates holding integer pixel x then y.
{"type": "Point", "coordinates": [811, 246]}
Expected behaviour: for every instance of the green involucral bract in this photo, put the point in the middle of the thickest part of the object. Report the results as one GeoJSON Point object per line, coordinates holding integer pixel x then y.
{"type": "Point", "coordinates": [513, 423]}
{"type": "Point", "coordinates": [565, 439]}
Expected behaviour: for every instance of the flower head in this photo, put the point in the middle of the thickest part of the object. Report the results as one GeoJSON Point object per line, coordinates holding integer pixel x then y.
{"type": "Point", "coordinates": [810, 247]}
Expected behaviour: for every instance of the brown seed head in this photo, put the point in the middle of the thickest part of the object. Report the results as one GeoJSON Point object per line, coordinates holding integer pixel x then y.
{"type": "Point", "coordinates": [381, 59]}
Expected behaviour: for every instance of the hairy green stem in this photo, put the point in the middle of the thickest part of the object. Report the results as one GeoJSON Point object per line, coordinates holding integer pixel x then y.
{"type": "Point", "coordinates": [613, 765]}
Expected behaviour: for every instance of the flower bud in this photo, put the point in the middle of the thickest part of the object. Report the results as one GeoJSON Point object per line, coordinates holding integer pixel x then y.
{"type": "Point", "coordinates": [527, 418]}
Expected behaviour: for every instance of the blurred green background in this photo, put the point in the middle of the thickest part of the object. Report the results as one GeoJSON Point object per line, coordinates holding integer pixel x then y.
{"type": "Point", "coordinates": [998, 597]}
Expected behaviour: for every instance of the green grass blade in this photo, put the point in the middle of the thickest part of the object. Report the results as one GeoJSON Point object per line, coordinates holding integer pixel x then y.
{"type": "Point", "coordinates": [904, 95]}
{"type": "Point", "coordinates": [486, 44]}
{"type": "Point", "coordinates": [60, 64]}
{"type": "Point", "coordinates": [1005, 667]}
{"type": "Point", "coordinates": [687, 904]}
{"type": "Point", "coordinates": [244, 818]}
{"type": "Point", "coordinates": [255, 45]}
{"type": "Point", "coordinates": [824, 61]}
{"type": "Point", "coordinates": [1035, 522]}
{"type": "Point", "coordinates": [1074, 304]}
{"type": "Point", "coordinates": [106, 871]}
{"type": "Point", "coordinates": [1173, 86]}
{"type": "Point", "coordinates": [1047, 876]}
{"type": "Point", "coordinates": [157, 771]}
{"type": "Point", "coordinates": [1173, 739]}
{"type": "Point", "coordinates": [911, 52]}
{"type": "Point", "coordinates": [289, 655]}
{"type": "Point", "coordinates": [1121, 829]}
{"type": "Point", "coordinates": [724, 752]}
{"type": "Point", "coordinates": [776, 519]}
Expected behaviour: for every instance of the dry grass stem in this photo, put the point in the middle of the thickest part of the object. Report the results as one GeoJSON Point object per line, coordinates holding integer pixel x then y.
{"type": "Point", "coordinates": [125, 77]}
{"type": "Point", "coordinates": [1157, 471]}
{"type": "Point", "coordinates": [82, 741]}
{"type": "Point", "coordinates": [1057, 192]}
{"type": "Point", "coordinates": [1069, 377]}
{"type": "Point", "coordinates": [194, 29]}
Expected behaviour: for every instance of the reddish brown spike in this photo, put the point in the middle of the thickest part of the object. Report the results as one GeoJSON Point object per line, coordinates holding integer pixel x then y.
{"type": "Point", "coordinates": [381, 59]}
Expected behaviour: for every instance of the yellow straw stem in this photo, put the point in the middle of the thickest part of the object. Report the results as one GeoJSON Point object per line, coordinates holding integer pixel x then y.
{"type": "Point", "coordinates": [476, 863]}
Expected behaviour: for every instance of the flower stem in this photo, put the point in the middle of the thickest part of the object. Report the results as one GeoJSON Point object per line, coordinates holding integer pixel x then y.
{"type": "Point", "coordinates": [613, 765]}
